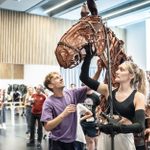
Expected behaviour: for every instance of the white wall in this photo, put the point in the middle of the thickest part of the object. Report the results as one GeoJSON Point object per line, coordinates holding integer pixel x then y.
{"type": "Point", "coordinates": [4, 83]}
{"type": "Point", "coordinates": [33, 75]}
{"type": "Point", "coordinates": [148, 44]}
{"type": "Point", "coordinates": [136, 43]}
{"type": "Point", "coordinates": [136, 46]}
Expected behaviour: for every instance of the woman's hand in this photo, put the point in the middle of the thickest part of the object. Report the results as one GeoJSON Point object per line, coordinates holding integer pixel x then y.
{"type": "Point", "coordinates": [87, 115]}
{"type": "Point", "coordinates": [147, 131]}
{"type": "Point", "coordinates": [89, 50]}
{"type": "Point", "coordinates": [125, 121]}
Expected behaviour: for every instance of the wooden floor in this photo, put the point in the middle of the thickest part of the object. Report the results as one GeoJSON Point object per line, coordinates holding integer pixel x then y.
{"type": "Point", "coordinates": [14, 136]}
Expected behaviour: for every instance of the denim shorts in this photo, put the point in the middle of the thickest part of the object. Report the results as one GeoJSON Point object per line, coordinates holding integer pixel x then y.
{"type": "Point", "coordinates": [89, 128]}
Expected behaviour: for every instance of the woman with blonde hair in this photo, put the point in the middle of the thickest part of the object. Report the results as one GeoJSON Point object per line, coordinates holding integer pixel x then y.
{"type": "Point", "coordinates": [128, 99]}
{"type": "Point", "coordinates": [28, 106]}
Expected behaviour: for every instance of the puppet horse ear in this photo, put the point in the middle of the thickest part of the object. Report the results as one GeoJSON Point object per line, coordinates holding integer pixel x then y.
{"type": "Point", "coordinates": [92, 7]}
{"type": "Point", "coordinates": [84, 10]}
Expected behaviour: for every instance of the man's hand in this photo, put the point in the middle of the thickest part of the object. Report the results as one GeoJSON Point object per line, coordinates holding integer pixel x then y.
{"type": "Point", "coordinates": [68, 110]}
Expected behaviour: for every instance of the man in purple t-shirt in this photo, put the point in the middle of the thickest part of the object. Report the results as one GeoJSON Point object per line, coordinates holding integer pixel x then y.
{"type": "Point", "coordinates": [59, 112]}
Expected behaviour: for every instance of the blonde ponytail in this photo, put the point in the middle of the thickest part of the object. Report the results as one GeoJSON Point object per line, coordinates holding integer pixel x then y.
{"type": "Point", "coordinates": [139, 80]}
{"type": "Point", "coordinates": [142, 82]}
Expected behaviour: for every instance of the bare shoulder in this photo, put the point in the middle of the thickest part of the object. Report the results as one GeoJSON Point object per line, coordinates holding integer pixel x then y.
{"type": "Point", "coordinates": [139, 100]}
{"type": "Point", "coordinates": [139, 95]}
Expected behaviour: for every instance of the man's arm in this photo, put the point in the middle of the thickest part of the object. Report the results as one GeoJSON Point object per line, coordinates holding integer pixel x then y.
{"type": "Point", "coordinates": [50, 125]}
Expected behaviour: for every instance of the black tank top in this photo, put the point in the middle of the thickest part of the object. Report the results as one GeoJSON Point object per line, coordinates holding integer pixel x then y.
{"type": "Point", "coordinates": [125, 108]}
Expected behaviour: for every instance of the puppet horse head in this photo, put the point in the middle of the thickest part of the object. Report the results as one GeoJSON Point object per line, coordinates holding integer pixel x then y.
{"type": "Point", "coordinates": [90, 29]}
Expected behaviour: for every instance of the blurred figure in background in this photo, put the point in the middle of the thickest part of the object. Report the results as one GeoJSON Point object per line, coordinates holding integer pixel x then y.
{"type": "Point", "coordinates": [72, 86]}
{"type": "Point", "coordinates": [28, 107]}
{"type": "Point", "coordinates": [16, 99]}
{"type": "Point", "coordinates": [3, 101]}
{"type": "Point", "coordinates": [89, 125]}
{"type": "Point", "coordinates": [80, 141]}
{"type": "Point", "coordinates": [38, 99]}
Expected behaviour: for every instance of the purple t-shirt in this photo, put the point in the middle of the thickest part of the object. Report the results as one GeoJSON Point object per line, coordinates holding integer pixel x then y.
{"type": "Point", "coordinates": [53, 106]}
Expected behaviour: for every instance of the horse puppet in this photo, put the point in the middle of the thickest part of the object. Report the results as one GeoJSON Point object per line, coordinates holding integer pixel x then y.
{"type": "Point", "coordinates": [90, 29]}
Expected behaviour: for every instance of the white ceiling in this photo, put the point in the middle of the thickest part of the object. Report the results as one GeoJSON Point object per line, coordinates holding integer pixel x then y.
{"type": "Point", "coordinates": [129, 19]}
{"type": "Point", "coordinates": [73, 12]}
{"type": "Point", "coordinates": [18, 5]}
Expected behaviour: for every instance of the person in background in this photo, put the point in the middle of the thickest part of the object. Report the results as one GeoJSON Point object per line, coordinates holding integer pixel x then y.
{"type": "Point", "coordinates": [16, 99]}
{"type": "Point", "coordinates": [28, 107]}
{"type": "Point", "coordinates": [72, 86]}
{"type": "Point", "coordinates": [128, 98]}
{"type": "Point", "coordinates": [38, 99]}
{"type": "Point", "coordinates": [3, 101]}
{"type": "Point", "coordinates": [1, 107]}
{"type": "Point", "coordinates": [80, 141]}
{"type": "Point", "coordinates": [147, 133]}
{"type": "Point", "coordinates": [4, 109]}
{"type": "Point", "coordinates": [45, 133]}
{"type": "Point", "coordinates": [59, 112]}
{"type": "Point", "coordinates": [89, 125]}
